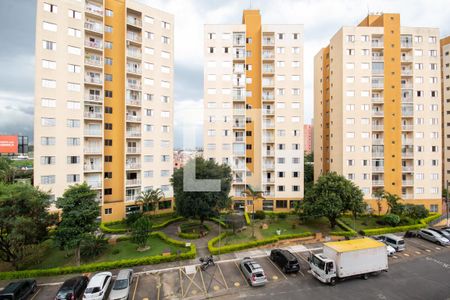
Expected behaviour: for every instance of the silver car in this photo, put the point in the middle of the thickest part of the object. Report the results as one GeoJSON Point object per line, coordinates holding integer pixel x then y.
{"type": "Point", "coordinates": [433, 236]}
{"type": "Point", "coordinates": [121, 287]}
{"type": "Point", "coordinates": [253, 272]}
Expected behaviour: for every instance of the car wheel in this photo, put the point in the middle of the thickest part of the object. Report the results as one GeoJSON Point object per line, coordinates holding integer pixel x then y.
{"type": "Point", "coordinates": [365, 276]}
{"type": "Point", "coordinates": [34, 289]}
{"type": "Point", "coordinates": [284, 270]}
{"type": "Point", "coordinates": [333, 281]}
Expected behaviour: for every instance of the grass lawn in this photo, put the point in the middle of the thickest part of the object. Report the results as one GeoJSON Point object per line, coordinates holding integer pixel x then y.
{"type": "Point", "coordinates": [286, 227]}
{"type": "Point", "coordinates": [362, 222]}
{"type": "Point", "coordinates": [192, 227]}
{"type": "Point", "coordinates": [157, 219]}
{"type": "Point", "coordinates": [57, 258]}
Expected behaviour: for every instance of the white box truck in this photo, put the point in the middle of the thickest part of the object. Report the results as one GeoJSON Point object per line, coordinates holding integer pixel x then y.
{"type": "Point", "coordinates": [359, 257]}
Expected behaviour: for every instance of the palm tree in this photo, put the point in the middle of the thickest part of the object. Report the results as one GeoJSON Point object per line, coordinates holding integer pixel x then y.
{"type": "Point", "coordinates": [255, 195]}
{"type": "Point", "coordinates": [379, 195]}
{"type": "Point", "coordinates": [7, 170]}
{"type": "Point", "coordinates": [148, 197]}
{"type": "Point", "coordinates": [391, 199]}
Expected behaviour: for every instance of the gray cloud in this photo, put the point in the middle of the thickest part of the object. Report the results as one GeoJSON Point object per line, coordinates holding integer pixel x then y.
{"type": "Point", "coordinates": [188, 82]}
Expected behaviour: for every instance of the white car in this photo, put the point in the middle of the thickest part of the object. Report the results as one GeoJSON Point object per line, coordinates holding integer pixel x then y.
{"type": "Point", "coordinates": [98, 286]}
{"type": "Point", "coordinates": [390, 250]}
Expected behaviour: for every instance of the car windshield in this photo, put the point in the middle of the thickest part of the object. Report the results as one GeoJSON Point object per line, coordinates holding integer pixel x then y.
{"type": "Point", "coordinates": [318, 262]}
{"type": "Point", "coordinates": [92, 290]}
{"type": "Point", "coordinates": [120, 284]}
{"type": "Point", "coordinates": [401, 242]}
{"type": "Point", "coordinates": [62, 294]}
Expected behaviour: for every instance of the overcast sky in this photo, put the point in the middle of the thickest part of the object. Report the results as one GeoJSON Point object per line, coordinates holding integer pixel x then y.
{"type": "Point", "coordinates": [321, 19]}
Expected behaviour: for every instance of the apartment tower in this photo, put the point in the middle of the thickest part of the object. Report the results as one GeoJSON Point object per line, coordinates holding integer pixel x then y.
{"type": "Point", "coordinates": [377, 110]}
{"type": "Point", "coordinates": [253, 116]}
{"type": "Point", "coordinates": [103, 100]}
{"type": "Point", "coordinates": [445, 79]}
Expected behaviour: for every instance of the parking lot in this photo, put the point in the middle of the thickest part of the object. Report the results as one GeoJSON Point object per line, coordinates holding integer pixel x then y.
{"type": "Point", "coordinates": [226, 278]}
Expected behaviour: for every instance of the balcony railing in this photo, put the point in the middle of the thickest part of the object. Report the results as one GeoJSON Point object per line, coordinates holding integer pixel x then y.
{"type": "Point", "coordinates": [95, 98]}
{"type": "Point", "coordinates": [407, 141]}
{"type": "Point", "coordinates": [134, 37]}
{"type": "Point", "coordinates": [377, 85]}
{"type": "Point", "coordinates": [268, 124]}
{"type": "Point", "coordinates": [135, 54]}
{"type": "Point", "coordinates": [406, 72]}
{"type": "Point", "coordinates": [377, 44]}
{"type": "Point", "coordinates": [406, 58]}
{"type": "Point", "coordinates": [93, 115]}
{"type": "Point", "coordinates": [239, 139]}
{"type": "Point", "coordinates": [407, 182]}
{"type": "Point", "coordinates": [269, 153]}
{"type": "Point", "coordinates": [238, 96]}
{"type": "Point", "coordinates": [407, 99]}
{"type": "Point", "coordinates": [134, 86]}
{"type": "Point", "coordinates": [268, 97]}
{"type": "Point", "coordinates": [377, 127]}
{"type": "Point", "coordinates": [407, 168]}
{"type": "Point", "coordinates": [269, 193]}
{"type": "Point", "coordinates": [132, 166]}
{"type": "Point", "coordinates": [134, 102]}
{"type": "Point", "coordinates": [239, 55]}
{"type": "Point", "coordinates": [407, 112]}
{"type": "Point", "coordinates": [268, 111]}
{"type": "Point", "coordinates": [238, 125]}
{"type": "Point", "coordinates": [239, 112]}
{"type": "Point", "coordinates": [268, 55]}
{"type": "Point", "coordinates": [134, 70]}
{"type": "Point", "coordinates": [133, 133]}
{"type": "Point", "coordinates": [268, 180]}
{"type": "Point", "coordinates": [134, 21]}
{"type": "Point", "coordinates": [406, 44]}
{"type": "Point", "coordinates": [95, 80]}
{"type": "Point", "coordinates": [377, 99]}
{"type": "Point", "coordinates": [133, 182]}
{"type": "Point", "coordinates": [268, 41]}
{"type": "Point", "coordinates": [239, 40]}
{"type": "Point", "coordinates": [378, 113]}
{"type": "Point", "coordinates": [377, 57]}
{"type": "Point", "coordinates": [407, 85]}
{"type": "Point", "coordinates": [133, 150]}
{"type": "Point", "coordinates": [267, 83]}
{"type": "Point", "coordinates": [93, 168]}
{"type": "Point", "coordinates": [378, 154]}
{"type": "Point", "coordinates": [93, 150]}
{"type": "Point", "coordinates": [407, 196]}
{"type": "Point", "coordinates": [96, 10]}
{"type": "Point", "coordinates": [93, 60]}
{"type": "Point", "coordinates": [268, 70]}
{"type": "Point", "coordinates": [95, 184]}
{"type": "Point", "coordinates": [133, 118]}
{"type": "Point", "coordinates": [92, 26]}
{"type": "Point", "coordinates": [93, 44]}
{"type": "Point", "coordinates": [378, 182]}
{"type": "Point", "coordinates": [377, 168]}
{"type": "Point", "coordinates": [94, 132]}
{"type": "Point", "coordinates": [407, 127]}
{"type": "Point", "coordinates": [377, 141]}
{"type": "Point", "coordinates": [408, 154]}
{"type": "Point", "coordinates": [378, 71]}
{"type": "Point", "coordinates": [269, 166]}
{"type": "Point", "coordinates": [268, 139]}
{"type": "Point", "coordinates": [132, 197]}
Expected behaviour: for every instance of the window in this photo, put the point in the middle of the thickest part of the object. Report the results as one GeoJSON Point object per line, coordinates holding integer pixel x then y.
{"type": "Point", "coordinates": [49, 45]}
{"type": "Point", "coordinates": [109, 13]}
{"type": "Point", "coordinates": [350, 38]}
{"type": "Point", "coordinates": [165, 54]}
{"type": "Point", "coordinates": [281, 203]}
{"type": "Point", "coordinates": [350, 66]}
{"type": "Point", "coordinates": [73, 160]}
{"type": "Point", "coordinates": [74, 14]}
{"type": "Point", "coordinates": [165, 173]}
{"type": "Point", "coordinates": [108, 45]}
{"type": "Point", "coordinates": [280, 36]}
{"type": "Point", "coordinates": [74, 87]}
{"type": "Point", "coordinates": [48, 160]}
{"type": "Point", "coordinates": [48, 122]}
{"type": "Point", "coordinates": [73, 141]}
{"type": "Point", "coordinates": [148, 19]}
{"type": "Point", "coordinates": [74, 32]}
{"type": "Point", "coordinates": [48, 141]}
{"type": "Point", "coordinates": [108, 192]}
{"type": "Point", "coordinates": [108, 28]}
{"type": "Point", "coordinates": [433, 53]}
{"type": "Point", "coordinates": [49, 26]}
{"type": "Point", "coordinates": [72, 178]}
{"type": "Point", "coordinates": [165, 25]}
{"type": "Point", "coordinates": [350, 51]}
{"type": "Point", "coordinates": [74, 105]}
{"type": "Point", "coordinates": [50, 8]}
{"type": "Point", "coordinates": [49, 179]}
{"type": "Point", "coordinates": [73, 123]}
{"type": "Point", "coordinates": [46, 102]}
{"type": "Point", "coordinates": [108, 211]}
{"type": "Point", "coordinates": [295, 50]}
{"type": "Point", "coordinates": [148, 50]}
{"type": "Point", "coordinates": [73, 68]}
{"type": "Point", "coordinates": [432, 40]}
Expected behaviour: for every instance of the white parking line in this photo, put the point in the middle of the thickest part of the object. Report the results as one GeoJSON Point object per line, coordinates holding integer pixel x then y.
{"type": "Point", "coordinates": [276, 267]}
{"type": "Point", "coordinates": [35, 294]}
{"type": "Point", "coordinates": [419, 245]}
{"type": "Point", "coordinates": [135, 287]}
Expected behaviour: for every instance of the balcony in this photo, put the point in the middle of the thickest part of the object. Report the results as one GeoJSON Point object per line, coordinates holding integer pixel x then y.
{"type": "Point", "coordinates": [238, 180]}
{"type": "Point", "coordinates": [134, 21]}
{"type": "Point", "coordinates": [377, 141]}
{"type": "Point", "coordinates": [94, 184]}
{"type": "Point", "coordinates": [377, 44]}
{"type": "Point", "coordinates": [407, 99]}
{"type": "Point", "coordinates": [239, 125]}
{"type": "Point", "coordinates": [407, 85]}
{"type": "Point", "coordinates": [133, 102]}
{"type": "Point", "coordinates": [94, 44]}
{"type": "Point", "coordinates": [377, 58]}
{"type": "Point", "coordinates": [406, 72]}
{"type": "Point", "coordinates": [238, 97]}
{"type": "Point", "coordinates": [134, 54]}
{"type": "Point", "coordinates": [268, 125]}
{"type": "Point", "coordinates": [94, 9]}
{"type": "Point", "coordinates": [93, 60]}
{"type": "Point", "coordinates": [269, 55]}
{"type": "Point", "coordinates": [93, 115]}
{"type": "Point", "coordinates": [131, 198]}
{"type": "Point", "coordinates": [134, 37]}
{"type": "Point", "coordinates": [378, 169]}
{"type": "Point", "coordinates": [239, 55]}
{"type": "Point", "coordinates": [93, 150]}
{"type": "Point", "coordinates": [269, 194]}
{"type": "Point", "coordinates": [238, 82]}
{"type": "Point", "coordinates": [406, 44]}
{"type": "Point", "coordinates": [378, 154]}
{"type": "Point", "coordinates": [93, 98]}
{"type": "Point", "coordinates": [269, 153]}
{"type": "Point", "coordinates": [407, 127]}
{"type": "Point", "coordinates": [268, 180]}
{"type": "Point", "coordinates": [407, 182]}
{"type": "Point", "coordinates": [268, 139]}
{"type": "Point", "coordinates": [133, 150]}
{"type": "Point", "coordinates": [268, 41]}
{"type": "Point", "coordinates": [268, 69]}
{"type": "Point", "coordinates": [268, 96]}
{"type": "Point", "coordinates": [238, 138]}
{"type": "Point", "coordinates": [407, 168]}
{"type": "Point", "coordinates": [378, 71]}
{"type": "Point", "coordinates": [239, 112]}
{"type": "Point", "coordinates": [407, 154]}
{"type": "Point", "coordinates": [376, 127]}
{"type": "Point", "coordinates": [92, 168]}
{"type": "Point", "coordinates": [406, 58]}
{"type": "Point", "coordinates": [407, 141]}
{"type": "Point", "coordinates": [239, 166]}
{"type": "Point", "coordinates": [268, 166]}
{"type": "Point", "coordinates": [239, 40]}
{"type": "Point", "coordinates": [268, 111]}
{"type": "Point", "coordinates": [132, 166]}
{"type": "Point", "coordinates": [407, 113]}
{"type": "Point", "coordinates": [133, 134]}
{"type": "Point", "coordinates": [133, 85]}
{"type": "Point", "coordinates": [377, 85]}
{"type": "Point", "coordinates": [131, 182]}
{"type": "Point", "coordinates": [378, 182]}
{"type": "Point", "coordinates": [377, 99]}
{"type": "Point", "coordinates": [267, 83]}
{"type": "Point", "coordinates": [93, 132]}
{"type": "Point", "coordinates": [134, 70]}
{"type": "Point", "coordinates": [93, 26]}
{"type": "Point", "coordinates": [93, 80]}
{"type": "Point", "coordinates": [132, 118]}
{"type": "Point", "coordinates": [377, 113]}
{"type": "Point", "coordinates": [407, 196]}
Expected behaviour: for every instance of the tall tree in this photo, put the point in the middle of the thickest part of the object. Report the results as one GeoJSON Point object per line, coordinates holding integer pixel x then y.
{"type": "Point", "coordinates": [78, 219]}
{"type": "Point", "coordinates": [391, 200]}
{"type": "Point", "coordinates": [308, 166]}
{"type": "Point", "coordinates": [202, 204]}
{"type": "Point", "coordinates": [330, 197]}
{"type": "Point", "coordinates": [7, 170]}
{"type": "Point", "coordinates": [255, 195]}
{"type": "Point", "coordinates": [140, 231]}
{"type": "Point", "coordinates": [24, 220]}
{"type": "Point", "coordinates": [150, 198]}
{"type": "Point", "coordinates": [355, 200]}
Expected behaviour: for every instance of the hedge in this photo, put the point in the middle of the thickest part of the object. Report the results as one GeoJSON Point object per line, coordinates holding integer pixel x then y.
{"type": "Point", "coordinates": [93, 267]}
{"type": "Point", "coordinates": [347, 232]}
{"type": "Point", "coordinates": [219, 222]}
{"type": "Point", "coordinates": [422, 224]}
{"type": "Point", "coordinates": [247, 218]}
{"type": "Point", "coordinates": [190, 236]}
{"type": "Point", "coordinates": [168, 222]}
{"type": "Point", "coordinates": [104, 227]}
{"type": "Point", "coordinates": [235, 247]}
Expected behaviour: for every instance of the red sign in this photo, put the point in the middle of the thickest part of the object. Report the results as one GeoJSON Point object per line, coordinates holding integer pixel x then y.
{"type": "Point", "coordinates": [9, 144]}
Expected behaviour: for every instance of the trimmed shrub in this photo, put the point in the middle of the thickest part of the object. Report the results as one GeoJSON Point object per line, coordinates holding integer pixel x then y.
{"type": "Point", "coordinates": [391, 219]}
{"type": "Point", "coordinates": [168, 222]}
{"type": "Point", "coordinates": [347, 232]}
{"type": "Point", "coordinates": [105, 229]}
{"type": "Point", "coordinates": [422, 224]}
{"type": "Point", "coordinates": [282, 215]}
{"type": "Point", "coordinates": [93, 267]}
{"type": "Point", "coordinates": [430, 218]}
{"type": "Point", "coordinates": [189, 236]}
{"type": "Point", "coordinates": [219, 222]}
{"type": "Point", "coordinates": [247, 218]}
{"type": "Point", "coordinates": [260, 215]}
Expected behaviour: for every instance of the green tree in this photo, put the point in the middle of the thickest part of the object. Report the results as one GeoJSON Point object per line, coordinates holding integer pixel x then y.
{"type": "Point", "coordinates": [355, 201]}
{"type": "Point", "coordinates": [330, 197]}
{"type": "Point", "coordinates": [78, 218]}
{"type": "Point", "coordinates": [379, 196]}
{"type": "Point", "coordinates": [255, 195]}
{"type": "Point", "coordinates": [416, 212]}
{"type": "Point", "coordinates": [308, 170]}
{"type": "Point", "coordinates": [24, 220]}
{"type": "Point", "coordinates": [201, 204]}
{"type": "Point", "coordinates": [7, 170]}
{"type": "Point", "coordinates": [150, 198]}
{"type": "Point", "coordinates": [140, 231]}
{"type": "Point", "coordinates": [392, 200]}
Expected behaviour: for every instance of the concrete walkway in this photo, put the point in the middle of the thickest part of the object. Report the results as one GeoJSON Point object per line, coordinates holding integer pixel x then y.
{"type": "Point", "coordinates": [201, 243]}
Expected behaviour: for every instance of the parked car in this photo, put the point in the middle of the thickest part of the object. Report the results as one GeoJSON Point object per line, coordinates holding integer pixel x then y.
{"type": "Point", "coordinates": [253, 272]}
{"type": "Point", "coordinates": [397, 242]}
{"type": "Point", "coordinates": [433, 236]}
{"type": "Point", "coordinates": [442, 232]}
{"type": "Point", "coordinates": [73, 288]}
{"type": "Point", "coordinates": [98, 286]}
{"type": "Point", "coordinates": [446, 229]}
{"type": "Point", "coordinates": [389, 249]}
{"type": "Point", "coordinates": [285, 260]}
{"type": "Point", "coordinates": [411, 234]}
{"type": "Point", "coordinates": [19, 290]}
{"type": "Point", "coordinates": [121, 287]}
